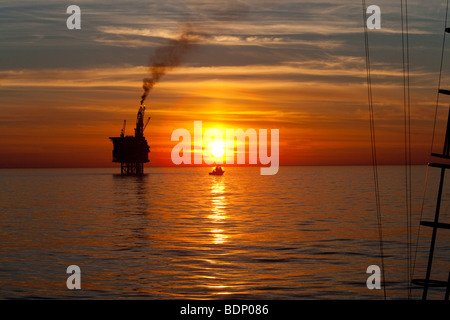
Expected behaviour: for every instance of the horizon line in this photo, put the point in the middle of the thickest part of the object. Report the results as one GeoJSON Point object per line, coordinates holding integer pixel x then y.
{"type": "Point", "coordinates": [209, 166]}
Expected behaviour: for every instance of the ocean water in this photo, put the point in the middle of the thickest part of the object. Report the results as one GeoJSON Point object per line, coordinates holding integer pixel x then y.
{"type": "Point", "coordinates": [178, 233]}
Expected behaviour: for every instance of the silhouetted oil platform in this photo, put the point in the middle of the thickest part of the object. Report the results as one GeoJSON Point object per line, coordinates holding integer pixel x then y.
{"type": "Point", "coordinates": [132, 152]}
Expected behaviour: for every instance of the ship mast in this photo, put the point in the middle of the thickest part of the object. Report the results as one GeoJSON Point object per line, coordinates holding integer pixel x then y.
{"type": "Point", "coordinates": [428, 282]}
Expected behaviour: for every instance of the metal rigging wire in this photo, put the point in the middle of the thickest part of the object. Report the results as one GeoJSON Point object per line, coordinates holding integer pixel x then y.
{"type": "Point", "coordinates": [373, 144]}
{"type": "Point", "coordinates": [407, 136]}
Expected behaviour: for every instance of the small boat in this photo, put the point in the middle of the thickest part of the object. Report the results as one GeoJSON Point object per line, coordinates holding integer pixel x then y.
{"type": "Point", "coordinates": [218, 171]}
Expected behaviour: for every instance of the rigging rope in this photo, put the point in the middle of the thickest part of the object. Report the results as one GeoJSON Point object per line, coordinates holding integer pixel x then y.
{"type": "Point", "coordinates": [440, 77]}
{"type": "Point", "coordinates": [373, 145]}
{"type": "Point", "coordinates": [407, 135]}
{"type": "Point", "coordinates": [418, 229]}
{"type": "Point", "coordinates": [407, 139]}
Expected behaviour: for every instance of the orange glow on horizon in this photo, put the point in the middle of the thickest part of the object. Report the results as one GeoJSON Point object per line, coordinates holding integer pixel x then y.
{"type": "Point", "coordinates": [314, 129]}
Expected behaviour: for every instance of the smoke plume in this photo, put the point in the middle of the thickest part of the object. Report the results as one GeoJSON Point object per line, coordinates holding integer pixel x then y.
{"type": "Point", "coordinates": [167, 57]}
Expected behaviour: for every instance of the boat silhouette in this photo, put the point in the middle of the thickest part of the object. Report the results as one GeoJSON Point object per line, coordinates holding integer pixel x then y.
{"type": "Point", "coordinates": [218, 171]}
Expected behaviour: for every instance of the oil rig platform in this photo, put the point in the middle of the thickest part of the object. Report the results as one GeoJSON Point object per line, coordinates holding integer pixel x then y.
{"type": "Point", "coordinates": [132, 151]}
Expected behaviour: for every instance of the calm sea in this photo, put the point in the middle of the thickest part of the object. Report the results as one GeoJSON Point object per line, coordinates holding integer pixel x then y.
{"type": "Point", "coordinates": [178, 233]}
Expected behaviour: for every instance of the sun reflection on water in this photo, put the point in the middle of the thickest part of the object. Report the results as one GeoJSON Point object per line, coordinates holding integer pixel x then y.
{"type": "Point", "coordinates": [218, 211]}
{"type": "Point", "coordinates": [218, 232]}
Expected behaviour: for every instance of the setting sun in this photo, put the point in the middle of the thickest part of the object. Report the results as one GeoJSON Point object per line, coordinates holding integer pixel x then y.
{"type": "Point", "coordinates": [217, 149]}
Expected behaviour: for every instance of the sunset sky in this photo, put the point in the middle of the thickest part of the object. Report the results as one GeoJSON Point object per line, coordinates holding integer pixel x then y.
{"type": "Point", "coordinates": [296, 66]}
